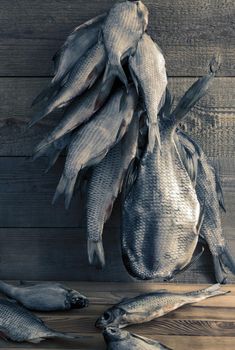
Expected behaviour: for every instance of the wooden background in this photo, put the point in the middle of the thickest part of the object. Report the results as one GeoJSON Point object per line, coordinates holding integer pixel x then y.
{"type": "Point", "coordinates": [38, 241]}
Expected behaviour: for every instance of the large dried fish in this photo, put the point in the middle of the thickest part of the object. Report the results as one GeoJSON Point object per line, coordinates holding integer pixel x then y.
{"type": "Point", "coordinates": [20, 325]}
{"type": "Point", "coordinates": [119, 339]}
{"type": "Point", "coordinates": [148, 70]}
{"type": "Point", "coordinates": [147, 307]}
{"type": "Point", "coordinates": [81, 77]}
{"type": "Point", "coordinates": [161, 215]}
{"type": "Point", "coordinates": [209, 192]}
{"type": "Point", "coordinates": [103, 188]}
{"type": "Point", "coordinates": [45, 296]}
{"type": "Point", "coordinates": [92, 141]}
{"type": "Point", "coordinates": [122, 29]}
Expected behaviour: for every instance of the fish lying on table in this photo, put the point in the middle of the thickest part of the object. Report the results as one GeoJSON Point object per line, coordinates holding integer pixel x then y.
{"type": "Point", "coordinates": [147, 307]}
{"type": "Point", "coordinates": [118, 339]}
{"type": "Point", "coordinates": [45, 296]}
{"type": "Point", "coordinates": [161, 212]}
{"type": "Point", "coordinates": [20, 325]}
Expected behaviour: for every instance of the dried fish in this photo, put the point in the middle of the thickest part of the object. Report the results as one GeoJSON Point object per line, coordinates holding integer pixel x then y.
{"type": "Point", "coordinates": [103, 188]}
{"type": "Point", "coordinates": [92, 141]}
{"type": "Point", "coordinates": [161, 215]}
{"type": "Point", "coordinates": [45, 296]}
{"type": "Point", "coordinates": [148, 70]}
{"type": "Point", "coordinates": [119, 339]}
{"type": "Point", "coordinates": [147, 307]}
{"type": "Point", "coordinates": [20, 325]}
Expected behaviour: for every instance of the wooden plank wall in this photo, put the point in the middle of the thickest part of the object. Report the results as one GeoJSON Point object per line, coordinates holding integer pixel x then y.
{"type": "Point", "coordinates": [38, 241]}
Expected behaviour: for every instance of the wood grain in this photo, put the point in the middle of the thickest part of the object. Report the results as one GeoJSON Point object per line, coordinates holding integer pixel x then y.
{"type": "Point", "coordinates": [176, 329]}
{"type": "Point", "coordinates": [189, 32]}
{"type": "Point", "coordinates": [61, 253]}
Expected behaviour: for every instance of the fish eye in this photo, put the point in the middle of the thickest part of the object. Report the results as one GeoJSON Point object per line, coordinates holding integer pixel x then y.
{"type": "Point", "coordinates": [106, 316]}
{"type": "Point", "coordinates": [113, 331]}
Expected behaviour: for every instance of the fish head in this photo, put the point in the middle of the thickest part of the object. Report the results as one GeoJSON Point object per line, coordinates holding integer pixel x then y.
{"type": "Point", "coordinates": [143, 14]}
{"type": "Point", "coordinates": [114, 334]}
{"type": "Point", "coordinates": [77, 300]}
{"type": "Point", "coordinates": [111, 317]}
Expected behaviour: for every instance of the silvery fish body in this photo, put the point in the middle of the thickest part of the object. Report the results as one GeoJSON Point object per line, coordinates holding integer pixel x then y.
{"type": "Point", "coordinates": [161, 212]}
{"type": "Point", "coordinates": [103, 188]}
{"type": "Point", "coordinates": [160, 215]}
{"type": "Point", "coordinates": [45, 296]}
{"type": "Point", "coordinates": [210, 195]}
{"type": "Point", "coordinates": [77, 113]}
{"type": "Point", "coordinates": [92, 141]}
{"type": "Point", "coordinates": [122, 29]}
{"type": "Point", "coordinates": [76, 45]}
{"type": "Point", "coordinates": [148, 70]}
{"type": "Point", "coordinates": [118, 339]}
{"type": "Point", "coordinates": [147, 307]}
{"type": "Point", "coordinates": [81, 77]}
{"type": "Point", "coordinates": [20, 325]}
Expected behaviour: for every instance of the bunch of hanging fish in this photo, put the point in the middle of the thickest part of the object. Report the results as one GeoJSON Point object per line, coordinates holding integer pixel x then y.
{"type": "Point", "coordinates": [118, 120]}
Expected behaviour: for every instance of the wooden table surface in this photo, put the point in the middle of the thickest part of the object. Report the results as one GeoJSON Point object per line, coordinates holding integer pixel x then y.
{"type": "Point", "coordinates": [208, 325]}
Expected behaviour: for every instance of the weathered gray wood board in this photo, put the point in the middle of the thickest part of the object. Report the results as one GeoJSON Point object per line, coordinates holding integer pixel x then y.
{"type": "Point", "coordinates": [39, 241]}
{"type": "Point", "coordinates": [189, 32]}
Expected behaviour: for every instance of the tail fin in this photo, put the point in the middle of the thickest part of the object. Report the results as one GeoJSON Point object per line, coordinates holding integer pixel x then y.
{"type": "Point", "coordinates": [66, 187]}
{"type": "Point", "coordinates": [104, 92]}
{"type": "Point", "coordinates": [208, 292]}
{"type": "Point", "coordinates": [65, 336]}
{"type": "Point", "coordinates": [226, 259]}
{"type": "Point", "coordinates": [40, 115]}
{"type": "Point", "coordinates": [153, 137]}
{"type": "Point", "coordinates": [46, 94]}
{"type": "Point", "coordinates": [95, 252]}
{"type": "Point", "coordinates": [115, 70]}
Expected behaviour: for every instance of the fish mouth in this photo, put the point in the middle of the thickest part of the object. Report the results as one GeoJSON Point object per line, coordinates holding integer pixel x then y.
{"type": "Point", "coordinates": [79, 302]}
{"type": "Point", "coordinates": [99, 324]}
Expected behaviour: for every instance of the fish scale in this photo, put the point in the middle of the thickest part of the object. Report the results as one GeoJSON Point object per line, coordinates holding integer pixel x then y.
{"type": "Point", "coordinates": [146, 307]}
{"type": "Point", "coordinates": [18, 324]}
{"type": "Point", "coordinates": [82, 76]}
{"type": "Point", "coordinates": [164, 194]}
{"type": "Point", "coordinates": [103, 188]}
{"type": "Point", "coordinates": [93, 140]}
{"type": "Point", "coordinates": [147, 66]}
{"type": "Point", "coordinates": [209, 192]}
{"type": "Point", "coordinates": [122, 29]}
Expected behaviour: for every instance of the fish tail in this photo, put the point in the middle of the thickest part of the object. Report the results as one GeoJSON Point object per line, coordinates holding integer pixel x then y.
{"type": "Point", "coordinates": [209, 292]}
{"type": "Point", "coordinates": [115, 70]}
{"type": "Point", "coordinates": [104, 92]}
{"type": "Point", "coordinates": [95, 252]}
{"type": "Point", "coordinates": [54, 155]}
{"type": "Point", "coordinates": [46, 94]}
{"type": "Point", "coordinates": [40, 115]}
{"type": "Point", "coordinates": [226, 260]}
{"type": "Point", "coordinates": [153, 137]}
{"type": "Point", "coordinates": [6, 289]}
{"type": "Point", "coordinates": [61, 335]}
{"type": "Point", "coordinates": [66, 187]}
